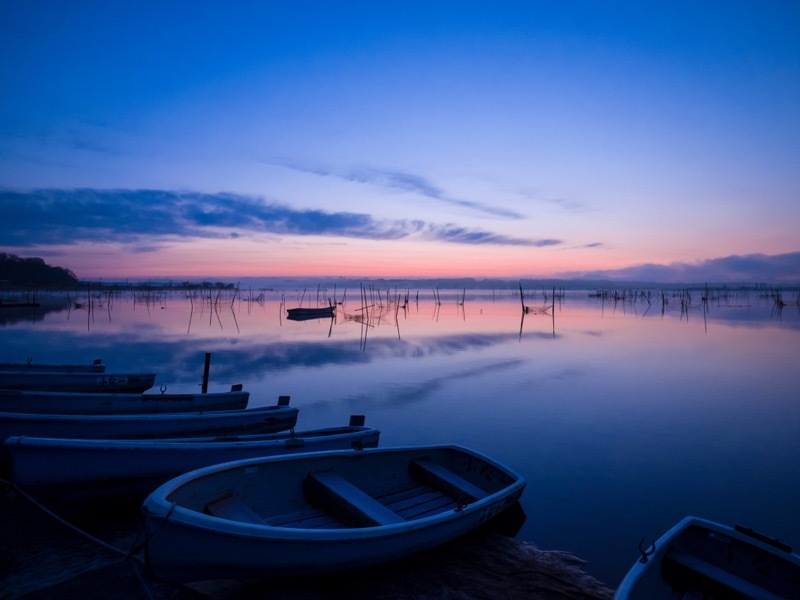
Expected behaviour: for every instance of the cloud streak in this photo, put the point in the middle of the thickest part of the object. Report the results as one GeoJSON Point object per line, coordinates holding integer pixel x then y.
{"type": "Point", "coordinates": [405, 182]}
{"type": "Point", "coordinates": [143, 217]}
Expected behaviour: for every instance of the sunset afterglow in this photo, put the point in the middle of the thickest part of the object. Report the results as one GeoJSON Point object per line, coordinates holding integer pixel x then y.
{"type": "Point", "coordinates": [418, 140]}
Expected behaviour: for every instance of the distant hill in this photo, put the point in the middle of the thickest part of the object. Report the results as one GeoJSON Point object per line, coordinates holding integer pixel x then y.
{"type": "Point", "coordinates": [21, 272]}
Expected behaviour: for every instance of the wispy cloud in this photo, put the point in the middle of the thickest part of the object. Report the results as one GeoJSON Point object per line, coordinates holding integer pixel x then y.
{"type": "Point", "coordinates": [567, 204]}
{"type": "Point", "coordinates": [398, 180]}
{"type": "Point", "coordinates": [142, 218]}
{"type": "Point", "coordinates": [584, 246]}
{"type": "Point", "coordinates": [461, 235]}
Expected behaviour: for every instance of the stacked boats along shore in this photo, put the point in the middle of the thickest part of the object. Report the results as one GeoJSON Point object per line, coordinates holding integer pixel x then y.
{"type": "Point", "coordinates": [229, 492]}
{"type": "Point", "coordinates": [81, 431]}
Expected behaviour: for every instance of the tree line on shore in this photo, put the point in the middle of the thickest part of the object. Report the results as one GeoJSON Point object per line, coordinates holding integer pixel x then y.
{"type": "Point", "coordinates": [34, 272]}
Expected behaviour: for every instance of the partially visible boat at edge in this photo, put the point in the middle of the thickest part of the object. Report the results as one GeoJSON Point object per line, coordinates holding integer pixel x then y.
{"type": "Point", "coordinates": [698, 558]}
{"type": "Point", "coordinates": [85, 403]}
{"type": "Point", "coordinates": [63, 381]}
{"type": "Point", "coordinates": [80, 468]}
{"type": "Point", "coordinates": [267, 419]}
{"type": "Point", "coordinates": [318, 512]}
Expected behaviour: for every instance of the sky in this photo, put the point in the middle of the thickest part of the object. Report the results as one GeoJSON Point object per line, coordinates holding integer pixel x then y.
{"type": "Point", "coordinates": [405, 139]}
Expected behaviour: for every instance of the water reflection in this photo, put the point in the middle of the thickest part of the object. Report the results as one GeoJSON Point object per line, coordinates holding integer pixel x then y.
{"type": "Point", "coordinates": [19, 310]}
{"type": "Point", "coordinates": [624, 412]}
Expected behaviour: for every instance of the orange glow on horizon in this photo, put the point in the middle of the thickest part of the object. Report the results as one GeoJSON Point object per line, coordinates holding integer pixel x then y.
{"type": "Point", "coordinates": [314, 257]}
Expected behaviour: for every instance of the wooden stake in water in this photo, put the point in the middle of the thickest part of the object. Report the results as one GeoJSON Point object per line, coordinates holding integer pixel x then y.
{"type": "Point", "coordinates": [206, 366]}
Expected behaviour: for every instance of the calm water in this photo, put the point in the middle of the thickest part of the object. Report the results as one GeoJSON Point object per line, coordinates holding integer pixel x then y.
{"type": "Point", "coordinates": [622, 416]}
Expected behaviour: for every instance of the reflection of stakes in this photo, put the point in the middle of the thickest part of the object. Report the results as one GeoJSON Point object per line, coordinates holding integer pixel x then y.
{"type": "Point", "coordinates": [537, 311]}
{"type": "Point", "coordinates": [235, 322]}
{"type": "Point", "coordinates": [396, 311]}
{"type": "Point", "coordinates": [436, 309]}
{"type": "Point", "coordinates": [219, 319]}
{"type": "Point", "coordinates": [364, 318]}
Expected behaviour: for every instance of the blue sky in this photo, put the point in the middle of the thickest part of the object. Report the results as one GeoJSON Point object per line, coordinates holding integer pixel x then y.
{"type": "Point", "coordinates": [509, 139]}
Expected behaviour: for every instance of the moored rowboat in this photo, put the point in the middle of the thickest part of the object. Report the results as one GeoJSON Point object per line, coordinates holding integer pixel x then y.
{"type": "Point", "coordinates": [698, 558]}
{"type": "Point", "coordinates": [132, 383]}
{"type": "Point", "coordinates": [323, 511]}
{"type": "Point", "coordinates": [84, 403]}
{"type": "Point", "coordinates": [75, 467]}
{"type": "Point", "coordinates": [268, 419]}
{"type": "Point", "coordinates": [96, 367]}
{"type": "Point", "coordinates": [300, 314]}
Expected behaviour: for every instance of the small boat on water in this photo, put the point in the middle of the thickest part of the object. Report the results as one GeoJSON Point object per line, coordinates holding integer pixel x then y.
{"type": "Point", "coordinates": [84, 403]}
{"type": "Point", "coordinates": [75, 467]}
{"type": "Point", "coordinates": [267, 419]}
{"type": "Point", "coordinates": [64, 381]}
{"type": "Point", "coordinates": [304, 314]}
{"type": "Point", "coordinates": [698, 558]}
{"type": "Point", "coordinates": [318, 512]}
{"type": "Point", "coordinates": [97, 366]}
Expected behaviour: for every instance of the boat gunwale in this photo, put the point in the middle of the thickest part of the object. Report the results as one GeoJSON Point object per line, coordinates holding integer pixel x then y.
{"type": "Point", "coordinates": [203, 414]}
{"type": "Point", "coordinates": [146, 396]}
{"type": "Point", "coordinates": [193, 442]}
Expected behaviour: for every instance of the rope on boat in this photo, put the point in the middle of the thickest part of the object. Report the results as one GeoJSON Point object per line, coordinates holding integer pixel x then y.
{"type": "Point", "coordinates": [144, 586]}
{"type": "Point", "coordinates": [74, 528]}
{"type": "Point", "coordinates": [136, 545]}
{"type": "Point", "coordinates": [129, 555]}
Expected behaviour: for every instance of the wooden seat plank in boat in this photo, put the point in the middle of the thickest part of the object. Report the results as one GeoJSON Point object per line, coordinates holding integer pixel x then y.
{"type": "Point", "coordinates": [443, 479]}
{"type": "Point", "coordinates": [347, 502]}
{"type": "Point", "coordinates": [714, 579]}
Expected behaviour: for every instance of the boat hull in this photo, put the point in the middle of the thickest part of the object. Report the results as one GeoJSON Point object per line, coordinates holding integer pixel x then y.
{"type": "Point", "coordinates": [131, 383]}
{"type": "Point", "coordinates": [29, 367]}
{"type": "Point", "coordinates": [82, 403]}
{"type": "Point", "coordinates": [77, 468]}
{"type": "Point", "coordinates": [701, 558]}
{"type": "Point", "coordinates": [268, 419]}
{"type": "Point", "coordinates": [304, 314]}
{"type": "Point", "coordinates": [278, 490]}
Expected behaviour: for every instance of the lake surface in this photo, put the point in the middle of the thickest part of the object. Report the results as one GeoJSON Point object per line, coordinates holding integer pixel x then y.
{"type": "Point", "coordinates": [624, 416]}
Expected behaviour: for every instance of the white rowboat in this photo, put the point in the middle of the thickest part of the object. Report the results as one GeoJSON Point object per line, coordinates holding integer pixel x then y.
{"type": "Point", "coordinates": [324, 511]}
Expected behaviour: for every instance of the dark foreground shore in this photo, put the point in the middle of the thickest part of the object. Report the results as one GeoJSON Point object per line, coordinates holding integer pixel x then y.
{"type": "Point", "coordinates": [41, 557]}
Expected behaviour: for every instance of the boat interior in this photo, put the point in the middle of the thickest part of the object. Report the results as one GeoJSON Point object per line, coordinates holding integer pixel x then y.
{"type": "Point", "coordinates": [709, 564]}
{"type": "Point", "coordinates": [334, 502]}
